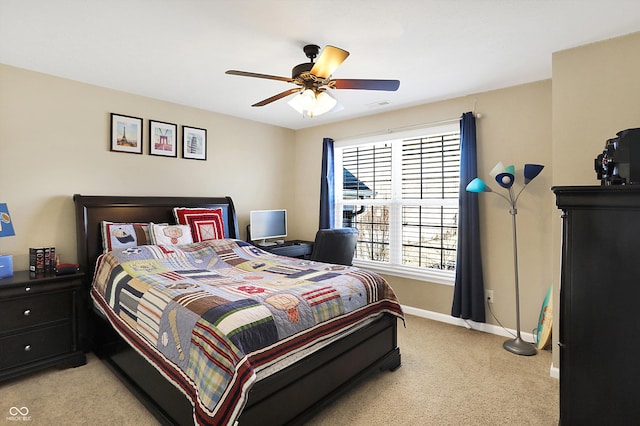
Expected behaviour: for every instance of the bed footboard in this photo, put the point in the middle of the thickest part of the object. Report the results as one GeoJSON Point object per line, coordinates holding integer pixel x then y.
{"type": "Point", "coordinates": [304, 388]}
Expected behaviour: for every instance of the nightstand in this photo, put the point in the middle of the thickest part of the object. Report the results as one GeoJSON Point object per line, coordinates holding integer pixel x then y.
{"type": "Point", "coordinates": [41, 320]}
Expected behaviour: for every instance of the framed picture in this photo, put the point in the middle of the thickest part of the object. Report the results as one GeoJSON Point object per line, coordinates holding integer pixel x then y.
{"type": "Point", "coordinates": [126, 134]}
{"type": "Point", "coordinates": [194, 143]}
{"type": "Point", "coordinates": [163, 139]}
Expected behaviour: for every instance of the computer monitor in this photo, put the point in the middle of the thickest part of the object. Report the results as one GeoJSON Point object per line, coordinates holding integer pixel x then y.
{"type": "Point", "coordinates": [267, 224]}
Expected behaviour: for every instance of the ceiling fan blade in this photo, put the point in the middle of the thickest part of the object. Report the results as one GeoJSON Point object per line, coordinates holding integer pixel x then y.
{"type": "Point", "coordinates": [329, 60]}
{"type": "Point", "coordinates": [276, 97]}
{"type": "Point", "coordinates": [256, 75]}
{"type": "Point", "coordinates": [389, 85]}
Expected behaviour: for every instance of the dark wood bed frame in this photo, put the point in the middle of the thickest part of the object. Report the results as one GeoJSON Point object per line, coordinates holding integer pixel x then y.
{"type": "Point", "coordinates": [290, 396]}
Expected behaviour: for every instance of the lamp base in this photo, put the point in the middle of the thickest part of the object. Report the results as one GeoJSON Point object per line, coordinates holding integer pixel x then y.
{"type": "Point", "coordinates": [520, 347]}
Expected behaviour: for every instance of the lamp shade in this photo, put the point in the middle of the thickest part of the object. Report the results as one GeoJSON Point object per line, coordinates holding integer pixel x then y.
{"type": "Point", "coordinates": [325, 103]}
{"type": "Point", "coordinates": [497, 169]}
{"type": "Point", "coordinates": [505, 180]}
{"type": "Point", "coordinates": [303, 102]}
{"type": "Point", "coordinates": [6, 226]}
{"type": "Point", "coordinates": [531, 171]}
{"type": "Point", "coordinates": [478, 185]}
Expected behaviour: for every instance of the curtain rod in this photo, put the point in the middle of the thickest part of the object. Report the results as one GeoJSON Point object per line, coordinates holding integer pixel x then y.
{"type": "Point", "coordinates": [409, 127]}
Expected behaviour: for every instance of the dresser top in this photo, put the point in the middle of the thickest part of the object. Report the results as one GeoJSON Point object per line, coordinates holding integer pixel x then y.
{"type": "Point", "coordinates": [25, 277]}
{"type": "Point", "coordinates": [612, 196]}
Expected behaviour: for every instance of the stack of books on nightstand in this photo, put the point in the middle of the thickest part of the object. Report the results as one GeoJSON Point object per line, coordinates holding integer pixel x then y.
{"type": "Point", "coordinates": [42, 261]}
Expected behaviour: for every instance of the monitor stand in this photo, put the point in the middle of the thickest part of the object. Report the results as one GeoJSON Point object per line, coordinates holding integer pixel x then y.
{"type": "Point", "coordinates": [265, 243]}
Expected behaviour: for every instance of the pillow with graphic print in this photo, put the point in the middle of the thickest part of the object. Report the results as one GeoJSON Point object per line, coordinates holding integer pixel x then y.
{"type": "Point", "coordinates": [170, 235]}
{"type": "Point", "coordinates": [121, 235]}
{"type": "Point", "coordinates": [205, 224]}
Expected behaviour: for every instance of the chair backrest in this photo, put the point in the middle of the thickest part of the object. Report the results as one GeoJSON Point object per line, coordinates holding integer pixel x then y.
{"type": "Point", "coordinates": [336, 245]}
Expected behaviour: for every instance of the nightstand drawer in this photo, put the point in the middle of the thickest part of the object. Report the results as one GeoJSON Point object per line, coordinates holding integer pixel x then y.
{"type": "Point", "coordinates": [23, 312]}
{"type": "Point", "coordinates": [37, 286]}
{"type": "Point", "coordinates": [42, 343]}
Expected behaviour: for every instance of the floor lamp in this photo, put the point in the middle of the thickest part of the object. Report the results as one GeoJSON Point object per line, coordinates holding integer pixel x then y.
{"type": "Point", "coordinates": [505, 177]}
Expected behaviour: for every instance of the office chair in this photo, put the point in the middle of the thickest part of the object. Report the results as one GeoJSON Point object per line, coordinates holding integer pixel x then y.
{"type": "Point", "coordinates": [336, 245]}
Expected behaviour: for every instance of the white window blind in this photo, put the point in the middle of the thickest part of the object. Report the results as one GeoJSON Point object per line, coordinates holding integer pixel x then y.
{"type": "Point", "coordinates": [402, 196]}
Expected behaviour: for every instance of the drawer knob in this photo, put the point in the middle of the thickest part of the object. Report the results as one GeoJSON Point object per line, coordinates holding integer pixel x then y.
{"type": "Point", "coordinates": [27, 348]}
{"type": "Point", "coordinates": [27, 312]}
{"type": "Point", "coordinates": [27, 289]}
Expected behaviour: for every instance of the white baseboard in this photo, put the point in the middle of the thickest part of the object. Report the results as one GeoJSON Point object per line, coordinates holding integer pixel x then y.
{"type": "Point", "coordinates": [480, 326]}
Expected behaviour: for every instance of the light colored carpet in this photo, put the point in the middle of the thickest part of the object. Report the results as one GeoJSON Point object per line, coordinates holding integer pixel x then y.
{"type": "Point", "coordinates": [449, 376]}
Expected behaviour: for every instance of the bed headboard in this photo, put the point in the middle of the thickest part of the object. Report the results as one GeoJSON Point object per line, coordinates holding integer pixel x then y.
{"type": "Point", "coordinates": [91, 210]}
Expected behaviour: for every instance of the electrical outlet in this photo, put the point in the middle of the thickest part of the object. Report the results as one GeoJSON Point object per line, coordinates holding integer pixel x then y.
{"type": "Point", "coordinates": [488, 296]}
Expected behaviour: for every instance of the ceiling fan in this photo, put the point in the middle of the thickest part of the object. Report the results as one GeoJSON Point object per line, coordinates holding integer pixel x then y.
{"type": "Point", "coordinates": [314, 78]}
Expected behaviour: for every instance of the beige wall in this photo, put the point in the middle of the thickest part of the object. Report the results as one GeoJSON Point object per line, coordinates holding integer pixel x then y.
{"type": "Point", "coordinates": [54, 142]}
{"type": "Point", "coordinates": [515, 128]}
{"type": "Point", "coordinates": [596, 93]}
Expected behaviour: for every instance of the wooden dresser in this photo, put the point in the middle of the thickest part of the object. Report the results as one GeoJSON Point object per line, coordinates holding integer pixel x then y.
{"type": "Point", "coordinates": [41, 321]}
{"type": "Point", "coordinates": [600, 305]}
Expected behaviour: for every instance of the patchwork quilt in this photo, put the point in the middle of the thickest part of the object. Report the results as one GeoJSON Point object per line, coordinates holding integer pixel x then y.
{"type": "Point", "coordinates": [209, 315]}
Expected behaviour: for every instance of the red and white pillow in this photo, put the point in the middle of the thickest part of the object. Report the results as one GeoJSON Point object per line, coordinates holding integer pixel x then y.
{"type": "Point", "coordinates": [205, 224]}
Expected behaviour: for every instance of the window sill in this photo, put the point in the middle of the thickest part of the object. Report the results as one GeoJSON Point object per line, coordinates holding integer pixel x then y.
{"type": "Point", "coordinates": [419, 274]}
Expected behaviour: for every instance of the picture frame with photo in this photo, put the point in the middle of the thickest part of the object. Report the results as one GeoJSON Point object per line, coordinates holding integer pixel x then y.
{"type": "Point", "coordinates": [163, 139]}
{"type": "Point", "coordinates": [126, 134]}
{"type": "Point", "coordinates": [194, 143]}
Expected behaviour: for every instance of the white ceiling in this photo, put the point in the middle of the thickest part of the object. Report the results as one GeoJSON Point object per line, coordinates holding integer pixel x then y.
{"type": "Point", "coordinates": [178, 51]}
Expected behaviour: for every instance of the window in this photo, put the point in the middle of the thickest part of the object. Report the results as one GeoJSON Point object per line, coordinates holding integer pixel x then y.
{"type": "Point", "coordinates": [402, 196]}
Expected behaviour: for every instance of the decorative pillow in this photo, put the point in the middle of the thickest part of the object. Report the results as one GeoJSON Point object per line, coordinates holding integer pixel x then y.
{"type": "Point", "coordinates": [120, 235]}
{"type": "Point", "coordinates": [205, 224]}
{"type": "Point", "coordinates": [170, 235]}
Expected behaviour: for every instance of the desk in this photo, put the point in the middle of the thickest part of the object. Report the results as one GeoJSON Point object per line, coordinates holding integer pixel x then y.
{"type": "Point", "coordinates": [293, 248]}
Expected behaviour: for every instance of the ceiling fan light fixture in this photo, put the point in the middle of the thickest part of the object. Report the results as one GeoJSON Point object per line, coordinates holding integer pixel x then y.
{"type": "Point", "coordinates": [311, 104]}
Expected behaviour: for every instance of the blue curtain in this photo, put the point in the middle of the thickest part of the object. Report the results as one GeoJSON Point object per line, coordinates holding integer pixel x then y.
{"type": "Point", "coordinates": [327, 197]}
{"type": "Point", "coordinates": [468, 294]}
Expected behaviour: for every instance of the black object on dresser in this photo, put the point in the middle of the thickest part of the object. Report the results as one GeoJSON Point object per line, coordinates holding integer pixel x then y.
{"type": "Point", "coordinates": [599, 305]}
{"type": "Point", "coordinates": [41, 321]}
{"type": "Point", "coordinates": [293, 248]}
